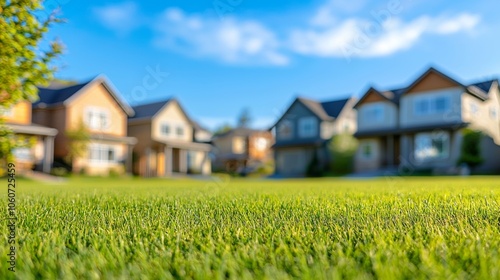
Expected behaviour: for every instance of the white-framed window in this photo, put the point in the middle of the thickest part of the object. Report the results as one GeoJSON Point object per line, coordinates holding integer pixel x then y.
{"type": "Point", "coordinates": [165, 129]}
{"type": "Point", "coordinates": [100, 153]}
{"type": "Point", "coordinates": [493, 113]}
{"type": "Point", "coordinates": [22, 154]}
{"type": "Point", "coordinates": [97, 118]}
{"type": "Point", "coordinates": [308, 127]}
{"type": "Point", "coordinates": [180, 130]}
{"type": "Point", "coordinates": [367, 149]}
{"type": "Point", "coordinates": [430, 146]}
{"type": "Point", "coordinates": [373, 113]}
{"type": "Point", "coordinates": [428, 105]}
{"type": "Point", "coordinates": [239, 145]}
{"type": "Point", "coordinates": [474, 109]}
{"type": "Point", "coordinates": [285, 129]}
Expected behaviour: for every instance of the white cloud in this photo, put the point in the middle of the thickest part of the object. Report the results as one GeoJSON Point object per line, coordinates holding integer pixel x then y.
{"type": "Point", "coordinates": [327, 13]}
{"type": "Point", "coordinates": [461, 22]}
{"type": "Point", "coordinates": [121, 18]}
{"type": "Point", "coordinates": [369, 38]}
{"type": "Point", "coordinates": [231, 40]}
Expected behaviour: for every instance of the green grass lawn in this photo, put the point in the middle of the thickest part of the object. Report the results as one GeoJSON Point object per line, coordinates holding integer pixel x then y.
{"type": "Point", "coordinates": [91, 228]}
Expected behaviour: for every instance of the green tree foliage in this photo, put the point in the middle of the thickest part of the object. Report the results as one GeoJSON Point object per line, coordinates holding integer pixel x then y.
{"type": "Point", "coordinates": [223, 129]}
{"type": "Point", "coordinates": [79, 139]}
{"type": "Point", "coordinates": [471, 148]}
{"type": "Point", "coordinates": [23, 64]}
{"type": "Point", "coordinates": [342, 150]}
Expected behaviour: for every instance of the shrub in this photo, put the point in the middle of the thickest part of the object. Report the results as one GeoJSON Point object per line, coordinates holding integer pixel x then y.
{"type": "Point", "coordinates": [314, 169]}
{"type": "Point", "coordinates": [342, 149]}
{"type": "Point", "coordinates": [59, 172]}
{"type": "Point", "coordinates": [471, 149]}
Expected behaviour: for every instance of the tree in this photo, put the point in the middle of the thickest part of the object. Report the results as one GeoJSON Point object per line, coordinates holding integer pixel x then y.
{"type": "Point", "coordinates": [79, 139]}
{"type": "Point", "coordinates": [223, 129]}
{"type": "Point", "coordinates": [471, 148]}
{"type": "Point", "coordinates": [245, 118]}
{"type": "Point", "coordinates": [342, 150]}
{"type": "Point", "coordinates": [23, 64]}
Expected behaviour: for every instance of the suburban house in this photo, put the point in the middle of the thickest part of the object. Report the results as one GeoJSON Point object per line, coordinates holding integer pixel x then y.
{"type": "Point", "coordinates": [420, 126]}
{"type": "Point", "coordinates": [37, 151]}
{"type": "Point", "coordinates": [305, 129]}
{"type": "Point", "coordinates": [96, 105]}
{"type": "Point", "coordinates": [242, 149]}
{"type": "Point", "coordinates": [168, 141]}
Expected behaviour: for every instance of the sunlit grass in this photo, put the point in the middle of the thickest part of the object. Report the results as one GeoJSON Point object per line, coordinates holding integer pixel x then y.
{"type": "Point", "coordinates": [326, 228]}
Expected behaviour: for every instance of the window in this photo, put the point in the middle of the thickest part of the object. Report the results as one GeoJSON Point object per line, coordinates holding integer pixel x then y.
{"type": "Point", "coordinates": [430, 146]}
{"type": "Point", "coordinates": [307, 127]}
{"type": "Point", "coordinates": [431, 105]}
{"type": "Point", "coordinates": [22, 153]}
{"type": "Point", "coordinates": [239, 145]}
{"type": "Point", "coordinates": [368, 149]}
{"type": "Point", "coordinates": [474, 109]}
{"type": "Point", "coordinates": [165, 129]}
{"type": "Point", "coordinates": [493, 113]}
{"type": "Point", "coordinates": [285, 129]}
{"type": "Point", "coordinates": [97, 118]}
{"type": "Point", "coordinates": [180, 131]}
{"type": "Point", "coordinates": [261, 143]}
{"type": "Point", "coordinates": [102, 153]}
{"type": "Point", "coordinates": [373, 113]}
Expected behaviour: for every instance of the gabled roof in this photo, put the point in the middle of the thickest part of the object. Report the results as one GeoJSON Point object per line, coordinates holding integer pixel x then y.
{"type": "Point", "coordinates": [56, 95]}
{"type": "Point", "coordinates": [325, 111]}
{"type": "Point", "coordinates": [479, 90]}
{"type": "Point", "coordinates": [150, 110]}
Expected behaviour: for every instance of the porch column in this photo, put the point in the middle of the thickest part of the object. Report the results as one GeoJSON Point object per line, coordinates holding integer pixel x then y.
{"type": "Point", "coordinates": [168, 160]}
{"type": "Point", "coordinates": [128, 159]}
{"type": "Point", "coordinates": [204, 163]}
{"type": "Point", "coordinates": [183, 168]}
{"type": "Point", "coordinates": [148, 162]}
{"type": "Point", "coordinates": [390, 150]}
{"type": "Point", "coordinates": [48, 156]}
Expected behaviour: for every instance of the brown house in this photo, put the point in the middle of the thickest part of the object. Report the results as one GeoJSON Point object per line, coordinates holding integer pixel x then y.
{"type": "Point", "coordinates": [38, 154]}
{"type": "Point", "coordinates": [242, 148]}
{"type": "Point", "coordinates": [96, 104]}
{"type": "Point", "coordinates": [169, 141]}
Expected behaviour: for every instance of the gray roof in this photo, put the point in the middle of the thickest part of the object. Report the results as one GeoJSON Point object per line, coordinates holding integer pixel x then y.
{"type": "Point", "coordinates": [485, 85]}
{"type": "Point", "coordinates": [239, 131]}
{"type": "Point", "coordinates": [149, 110]}
{"type": "Point", "coordinates": [326, 110]}
{"type": "Point", "coordinates": [333, 108]}
{"type": "Point", "coordinates": [53, 96]}
{"type": "Point", "coordinates": [59, 94]}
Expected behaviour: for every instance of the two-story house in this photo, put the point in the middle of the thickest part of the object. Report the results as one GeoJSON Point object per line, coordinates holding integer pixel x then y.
{"type": "Point", "coordinates": [97, 105]}
{"type": "Point", "coordinates": [242, 149]}
{"type": "Point", "coordinates": [37, 154]}
{"type": "Point", "coordinates": [305, 128]}
{"type": "Point", "coordinates": [420, 126]}
{"type": "Point", "coordinates": [168, 141]}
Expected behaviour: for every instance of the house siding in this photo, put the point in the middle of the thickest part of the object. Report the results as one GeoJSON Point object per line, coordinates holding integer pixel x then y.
{"type": "Point", "coordinates": [21, 114]}
{"type": "Point", "coordinates": [173, 115]}
{"type": "Point", "coordinates": [389, 120]}
{"type": "Point", "coordinates": [408, 118]}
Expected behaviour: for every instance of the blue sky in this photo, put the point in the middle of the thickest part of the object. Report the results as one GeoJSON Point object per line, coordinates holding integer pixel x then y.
{"type": "Point", "coordinates": [220, 56]}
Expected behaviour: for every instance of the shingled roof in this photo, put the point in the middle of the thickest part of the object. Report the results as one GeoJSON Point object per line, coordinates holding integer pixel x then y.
{"type": "Point", "coordinates": [325, 111]}
{"type": "Point", "coordinates": [149, 110]}
{"type": "Point", "coordinates": [59, 95]}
